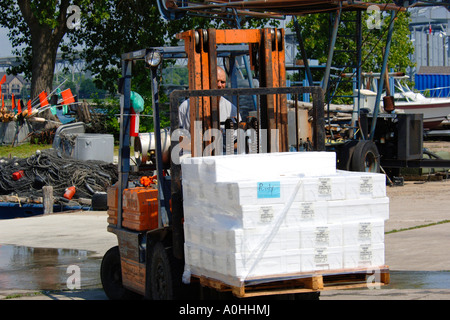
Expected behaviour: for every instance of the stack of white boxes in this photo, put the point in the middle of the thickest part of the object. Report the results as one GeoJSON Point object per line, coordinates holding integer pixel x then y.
{"type": "Point", "coordinates": [279, 214]}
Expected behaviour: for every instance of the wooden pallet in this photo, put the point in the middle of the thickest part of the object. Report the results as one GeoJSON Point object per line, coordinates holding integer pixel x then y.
{"type": "Point", "coordinates": [303, 282]}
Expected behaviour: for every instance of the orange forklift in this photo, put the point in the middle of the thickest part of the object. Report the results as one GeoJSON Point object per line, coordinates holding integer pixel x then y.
{"type": "Point", "coordinates": [148, 221]}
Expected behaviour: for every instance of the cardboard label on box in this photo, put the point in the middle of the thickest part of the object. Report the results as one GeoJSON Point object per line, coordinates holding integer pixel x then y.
{"type": "Point", "coordinates": [320, 255]}
{"type": "Point", "coordinates": [307, 210]}
{"type": "Point", "coordinates": [366, 185]}
{"type": "Point", "coordinates": [322, 235]}
{"type": "Point", "coordinates": [365, 252]}
{"type": "Point", "coordinates": [324, 186]}
{"type": "Point", "coordinates": [365, 231]}
{"type": "Point", "coordinates": [266, 214]}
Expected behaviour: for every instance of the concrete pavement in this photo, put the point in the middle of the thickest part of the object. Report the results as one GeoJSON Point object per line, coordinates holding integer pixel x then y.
{"type": "Point", "coordinates": [410, 250]}
{"type": "Point", "coordinates": [82, 230]}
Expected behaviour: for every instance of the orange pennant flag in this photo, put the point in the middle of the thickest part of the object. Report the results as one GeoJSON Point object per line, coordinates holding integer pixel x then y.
{"type": "Point", "coordinates": [3, 103]}
{"type": "Point", "coordinates": [29, 107]}
{"type": "Point", "coordinates": [13, 104]}
{"type": "Point", "coordinates": [3, 79]}
{"type": "Point", "coordinates": [67, 96]}
{"type": "Point", "coordinates": [43, 99]}
{"type": "Point", "coordinates": [19, 107]}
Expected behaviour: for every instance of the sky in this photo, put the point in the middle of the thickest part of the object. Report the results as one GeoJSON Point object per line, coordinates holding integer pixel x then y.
{"type": "Point", "coordinates": [5, 45]}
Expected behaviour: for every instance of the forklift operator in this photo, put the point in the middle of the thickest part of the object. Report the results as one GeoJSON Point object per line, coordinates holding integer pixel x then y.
{"type": "Point", "coordinates": [227, 109]}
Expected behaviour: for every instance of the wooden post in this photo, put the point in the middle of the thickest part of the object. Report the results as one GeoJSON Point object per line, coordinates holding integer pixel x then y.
{"type": "Point", "coordinates": [48, 199]}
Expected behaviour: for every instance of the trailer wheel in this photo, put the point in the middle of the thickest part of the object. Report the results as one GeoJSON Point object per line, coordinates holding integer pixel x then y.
{"type": "Point", "coordinates": [160, 274]}
{"type": "Point", "coordinates": [366, 157]}
{"type": "Point", "coordinates": [111, 277]}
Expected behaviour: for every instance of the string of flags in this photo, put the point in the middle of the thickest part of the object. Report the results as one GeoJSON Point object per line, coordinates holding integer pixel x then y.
{"type": "Point", "coordinates": [58, 99]}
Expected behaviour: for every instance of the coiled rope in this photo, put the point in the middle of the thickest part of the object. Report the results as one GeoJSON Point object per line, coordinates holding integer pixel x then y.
{"type": "Point", "coordinates": [51, 168]}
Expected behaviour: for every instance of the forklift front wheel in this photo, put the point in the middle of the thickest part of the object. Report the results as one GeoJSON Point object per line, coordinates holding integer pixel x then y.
{"type": "Point", "coordinates": [160, 273]}
{"type": "Point", "coordinates": [366, 157]}
{"type": "Point", "coordinates": [111, 277]}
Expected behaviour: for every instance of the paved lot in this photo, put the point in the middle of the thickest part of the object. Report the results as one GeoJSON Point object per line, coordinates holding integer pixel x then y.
{"type": "Point", "coordinates": [409, 253]}
{"type": "Point", "coordinates": [418, 252]}
{"type": "Point", "coordinates": [82, 230]}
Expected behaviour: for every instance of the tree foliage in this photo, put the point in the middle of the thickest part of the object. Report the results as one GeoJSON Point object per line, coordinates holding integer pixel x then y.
{"type": "Point", "coordinates": [36, 29]}
{"type": "Point", "coordinates": [106, 30]}
{"type": "Point", "coordinates": [316, 31]}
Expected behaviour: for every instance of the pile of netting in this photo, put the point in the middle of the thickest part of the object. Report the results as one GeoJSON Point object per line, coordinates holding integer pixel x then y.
{"type": "Point", "coordinates": [25, 177]}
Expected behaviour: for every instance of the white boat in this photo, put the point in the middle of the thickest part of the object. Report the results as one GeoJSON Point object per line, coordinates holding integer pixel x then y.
{"type": "Point", "coordinates": [435, 110]}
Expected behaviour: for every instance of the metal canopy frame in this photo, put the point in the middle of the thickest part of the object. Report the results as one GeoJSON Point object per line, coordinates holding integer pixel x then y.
{"type": "Point", "coordinates": [224, 9]}
{"type": "Point", "coordinates": [220, 9]}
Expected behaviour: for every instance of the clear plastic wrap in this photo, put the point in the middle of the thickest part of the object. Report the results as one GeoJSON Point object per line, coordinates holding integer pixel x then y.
{"type": "Point", "coordinates": [240, 225]}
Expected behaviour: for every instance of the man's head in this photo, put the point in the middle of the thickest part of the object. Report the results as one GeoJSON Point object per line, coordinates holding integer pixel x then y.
{"type": "Point", "coordinates": [221, 78]}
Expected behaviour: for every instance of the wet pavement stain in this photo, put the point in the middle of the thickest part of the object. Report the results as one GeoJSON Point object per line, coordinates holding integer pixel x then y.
{"type": "Point", "coordinates": [43, 269]}
{"type": "Point", "coordinates": [419, 280]}
{"type": "Point", "coordinates": [48, 268]}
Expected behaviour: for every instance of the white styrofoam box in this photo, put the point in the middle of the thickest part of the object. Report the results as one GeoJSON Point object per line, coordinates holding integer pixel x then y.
{"type": "Point", "coordinates": [364, 255]}
{"type": "Point", "coordinates": [310, 212]}
{"type": "Point", "coordinates": [192, 255]}
{"type": "Point", "coordinates": [357, 209]}
{"type": "Point", "coordinates": [244, 266]}
{"type": "Point", "coordinates": [363, 184]}
{"type": "Point", "coordinates": [235, 194]}
{"type": "Point", "coordinates": [271, 263]}
{"type": "Point", "coordinates": [258, 192]}
{"type": "Point", "coordinates": [190, 168]}
{"type": "Point", "coordinates": [318, 236]}
{"type": "Point", "coordinates": [263, 215]}
{"type": "Point", "coordinates": [363, 232]}
{"type": "Point", "coordinates": [213, 260]}
{"type": "Point", "coordinates": [204, 258]}
{"type": "Point", "coordinates": [265, 191]}
{"type": "Point", "coordinates": [196, 192]}
{"type": "Point", "coordinates": [248, 241]}
{"type": "Point", "coordinates": [236, 267]}
{"type": "Point", "coordinates": [209, 213]}
{"type": "Point", "coordinates": [324, 187]}
{"type": "Point", "coordinates": [257, 216]}
{"type": "Point", "coordinates": [254, 241]}
{"type": "Point", "coordinates": [247, 166]}
{"type": "Point", "coordinates": [248, 216]}
{"type": "Point", "coordinates": [325, 258]}
{"type": "Point", "coordinates": [262, 191]}
{"type": "Point", "coordinates": [293, 261]}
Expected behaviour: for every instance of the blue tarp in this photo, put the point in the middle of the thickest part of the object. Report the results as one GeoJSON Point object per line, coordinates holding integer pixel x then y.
{"type": "Point", "coordinates": [9, 210]}
{"type": "Point", "coordinates": [431, 81]}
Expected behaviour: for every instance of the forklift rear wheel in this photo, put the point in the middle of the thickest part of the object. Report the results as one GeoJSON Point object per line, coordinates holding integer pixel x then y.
{"type": "Point", "coordinates": [366, 157]}
{"type": "Point", "coordinates": [111, 277]}
{"type": "Point", "coordinates": [161, 284]}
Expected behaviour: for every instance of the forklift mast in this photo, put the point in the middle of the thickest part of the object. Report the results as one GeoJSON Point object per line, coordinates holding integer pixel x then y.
{"type": "Point", "coordinates": [267, 59]}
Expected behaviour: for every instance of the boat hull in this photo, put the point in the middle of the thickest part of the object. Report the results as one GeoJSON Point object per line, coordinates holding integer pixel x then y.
{"type": "Point", "coordinates": [433, 110]}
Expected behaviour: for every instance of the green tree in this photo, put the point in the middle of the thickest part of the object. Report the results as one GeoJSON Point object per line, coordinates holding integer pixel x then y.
{"type": "Point", "coordinates": [36, 29]}
{"type": "Point", "coordinates": [316, 33]}
{"type": "Point", "coordinates": [87, 88]}
{"type": "Point", "coordinates": [106, 29]}
{"type": "Point", "coordinates": [128, 26]}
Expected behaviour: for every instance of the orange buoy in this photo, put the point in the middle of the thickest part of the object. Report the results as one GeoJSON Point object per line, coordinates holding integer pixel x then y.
{"type": "Point", "coordinates": [70, 191]}
{"type": "Point", "coordinates": [17, 175]}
